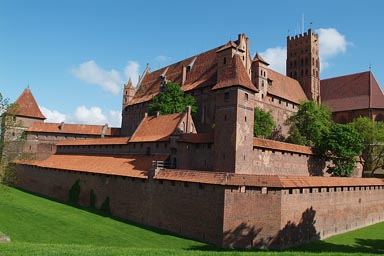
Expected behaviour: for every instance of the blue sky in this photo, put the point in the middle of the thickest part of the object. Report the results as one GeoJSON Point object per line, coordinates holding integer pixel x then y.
{"type": "Point", "coordinates": [76, 55]}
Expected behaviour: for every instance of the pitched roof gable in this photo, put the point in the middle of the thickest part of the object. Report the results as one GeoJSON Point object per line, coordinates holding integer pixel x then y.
{"type": "Point", "coordinates": [26, 105]}
{"type": "Point", "coordinates": [285, 87]}
{"type": "Point", "coordinates": [260, 59]}
{"type": "Point", "coordinates": [157, 128]}
{"type": "Point", "coordinates": [235, 75]}
{"type": "Point", "coordinates": [351, 92]}
{"type": "Point", "coordinates": [201, 73]}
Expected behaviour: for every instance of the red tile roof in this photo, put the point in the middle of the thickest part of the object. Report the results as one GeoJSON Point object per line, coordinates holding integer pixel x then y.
{"type": "Point", "coordinates": [154, 128]}
{"type": "Point", "coordinates": [72, 129]}
{"type": "Point", "coordinates": [273, 181]}
{"type": "Point", "coordinates": [235, 75]}
{"type": "Point", "coordinates": [121, 165]}
{"type": "Point", "coordinates": [202, 73]}
{"type": "Point", "coordinates": [196, 138]}
{"type": "Point", "coordinates": [282, 146]}
{"type": "Point", "coordinates": [285, 87]}
{"type": "Point", "coordinates": [259, 58]}
{"type": "Point", "coordinates": [352, 92]}
{"type": "Point", "coordinates": [101, 141]}
{"type": "Point", "coordinates": [26, 105]}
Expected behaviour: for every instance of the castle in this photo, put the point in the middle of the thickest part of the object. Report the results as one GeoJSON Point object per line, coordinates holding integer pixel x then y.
{"type": "Point", "coordinates": [207, 177]}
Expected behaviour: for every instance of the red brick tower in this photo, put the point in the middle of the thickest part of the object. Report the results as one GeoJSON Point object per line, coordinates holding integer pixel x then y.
{"type": "Point", "coordinates": [303, 62]}
{"type": "Point", "coordinates": [128, 93]}
{"type": "Point", "coordinates": [260, 73]}
{"type": "Point", "coordinates": [233, 133]}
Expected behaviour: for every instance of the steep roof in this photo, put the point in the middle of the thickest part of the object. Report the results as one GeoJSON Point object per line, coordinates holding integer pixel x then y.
{"type": "Point", "coordinates": [72, 129]}
{"type": "Point", "coordinates": [201, 72]}
{"type": "Point", "coordinates": [273, 181]}
{"type": "Point", "coordinates": [352, 92]}
{"type": "Point", "coordinates": [285, 87]}
{"type": "Point", "coordinates": [235, 75]}
{"type": "Point", "coordinates": [122, 165]}
{"type": "Point", "coordinates": [260, 59]}
{"type": "Point", "coordinates": [26, 106]}
{"type": "Point", "coordinates": [157, 128]}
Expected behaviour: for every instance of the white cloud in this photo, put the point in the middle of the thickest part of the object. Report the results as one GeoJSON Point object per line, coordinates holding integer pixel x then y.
{"type": "Point", "coordinates": [53, 116]}
{"type": "Point", "coordinates": [91, 73]}
{"type": "Point", "coordinates": [276, 57]}
{"type": "Point", "coordinates": [132, 71]}
{"type": "Point", "coordinates": [96, 116]}
{"type": "Point", "coordinates": [331, 44]}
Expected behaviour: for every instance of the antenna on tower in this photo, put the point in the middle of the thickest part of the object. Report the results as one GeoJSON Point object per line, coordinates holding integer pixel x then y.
{"type": "Point", "coordinates": [370, 66]}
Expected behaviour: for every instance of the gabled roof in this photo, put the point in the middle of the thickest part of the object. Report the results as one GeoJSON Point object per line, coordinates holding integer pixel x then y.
{"type": "Point", "coordinates": [260, 59]}
{"type": "Point", "coordinates": [26, 106]}
{"type": "Point", "coordinates": [235, 75]}
{"type": "Point", "coordinates": [72, 129]}
{"type": "Point", "coordinates": [201, 74]}
{"type": "Point", "coordinates": [285, 87]}
{"type": "Point", "coordinates": [352, 92]}
{"type": "Point", "coordinates": [157, 128]}
{"type": "Point", "coordinates": [122, 165]}
{"type": "Point", "coordinates": [272, 181]}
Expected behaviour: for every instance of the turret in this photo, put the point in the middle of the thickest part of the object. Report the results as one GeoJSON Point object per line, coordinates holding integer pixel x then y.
{"type": "Point", "coordinates": [303, 62]}
{"type": "Point", "coordinates": [128, 93]}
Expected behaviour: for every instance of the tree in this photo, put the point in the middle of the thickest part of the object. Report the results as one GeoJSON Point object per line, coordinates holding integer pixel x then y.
{"type": "Point", "coordinates": [171, 100]}
{"type": "Point", "coordinates": [340, 145]}
{"type": "Point", "coordinates": [263, 123]}
{"type": "Point", "coordinates": [11, 137]}
{"type": "Point", "coordinates": [372, 156]}
{"type": "Point", "coordinates": [309, 123]}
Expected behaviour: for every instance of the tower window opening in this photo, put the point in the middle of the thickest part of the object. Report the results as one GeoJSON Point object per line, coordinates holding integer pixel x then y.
{"type": "Point", "coordinates": [246, 96]}
{"type": "Point", "coordinates": [226, 96]}
{"type": "Point", "coordinates": [225, 60]}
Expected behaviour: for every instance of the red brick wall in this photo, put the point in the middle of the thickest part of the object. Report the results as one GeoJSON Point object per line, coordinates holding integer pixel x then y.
{"type": "Point", "coordinates": [188, 209]}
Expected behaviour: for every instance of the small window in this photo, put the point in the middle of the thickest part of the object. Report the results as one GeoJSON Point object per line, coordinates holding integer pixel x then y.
{"type": "Point", "coordinates": [225, 61]}
{"type": "Point", "coordinates": [245, 119]}
{"type": "Point", "coordinates": [246, 96]}
{"type": "Point", "coordinates": [225, 117]}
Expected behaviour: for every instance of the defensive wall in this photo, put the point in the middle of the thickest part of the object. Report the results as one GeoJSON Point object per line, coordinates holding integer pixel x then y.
{"type": "Point", "coordinates": [228, 210]}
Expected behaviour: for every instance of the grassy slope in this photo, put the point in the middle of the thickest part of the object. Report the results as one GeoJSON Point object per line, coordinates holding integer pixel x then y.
{"type": "Point", "coordinates": [38, 226]}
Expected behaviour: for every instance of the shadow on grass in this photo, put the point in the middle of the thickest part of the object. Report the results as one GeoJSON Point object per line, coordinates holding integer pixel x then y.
{"type": "Point", "coordinates": [372, 246]}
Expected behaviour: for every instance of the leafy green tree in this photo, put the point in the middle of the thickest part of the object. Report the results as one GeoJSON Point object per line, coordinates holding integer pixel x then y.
{"type": "Point", "coordinates": [295, 136]}
{"type": "Point", "coordinates": [341, 145]}
{"type": "Point", "coordinates": [263, 123]}
{"type": "Point", "coordinates": [372, 157]}
{"type": "Point", "coordinates": [171, 100]}
{"type": "Point", "coordinates": [310, 123]}
{"type": "Point", "coordinates": [11, 140]}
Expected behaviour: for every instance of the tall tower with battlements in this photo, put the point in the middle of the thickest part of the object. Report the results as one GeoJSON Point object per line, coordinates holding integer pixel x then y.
{"type": "Point", "coordinates": [303, 63]}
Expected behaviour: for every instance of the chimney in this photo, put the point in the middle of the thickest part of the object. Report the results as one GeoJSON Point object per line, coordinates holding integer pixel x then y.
{"type": "Point", "coordinates": [145, 114]}
{"type": "Point", "coordinates": [104, 130]}
{"type": "Point", "coordinates": [61, 126]}
{"type": "Point", "coordinates": [184, 75]}
{"type": "Point", "coordinates": [157, 114]}
{"type": "Point", "coordinates": [189, 118]}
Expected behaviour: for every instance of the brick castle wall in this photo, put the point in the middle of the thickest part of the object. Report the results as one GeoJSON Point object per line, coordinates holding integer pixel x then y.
{"type": "Point", "coordinates": [228, 216]}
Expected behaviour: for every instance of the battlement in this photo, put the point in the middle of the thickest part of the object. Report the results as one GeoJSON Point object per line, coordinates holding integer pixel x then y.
{"type": "Point", "coordinates": [305, 35]}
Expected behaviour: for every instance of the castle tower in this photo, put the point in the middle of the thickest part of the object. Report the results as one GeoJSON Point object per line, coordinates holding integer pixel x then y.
{"type": "Point", "coordinates": [128, 93]}
{"type": "Point", "coordinates": [234, 115]}
{"type": "Point", "coordinates": [225, 54]}
{"type": "Point", "coordinates": [260, 73]}
{"type": "Point", "coordinates": [303, 62]}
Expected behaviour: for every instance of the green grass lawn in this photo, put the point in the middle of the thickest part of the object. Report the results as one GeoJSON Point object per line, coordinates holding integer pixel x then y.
{"type": "Point", "coordinates": [38, 226]}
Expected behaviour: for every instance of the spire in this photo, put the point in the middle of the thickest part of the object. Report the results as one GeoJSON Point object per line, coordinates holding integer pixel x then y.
{"type": "Point", "coordinates": [27, 106]}
{"type": "Point", "coordinates": [129, 83]}
{"type": "Point", "coordinates": [260, 59]}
